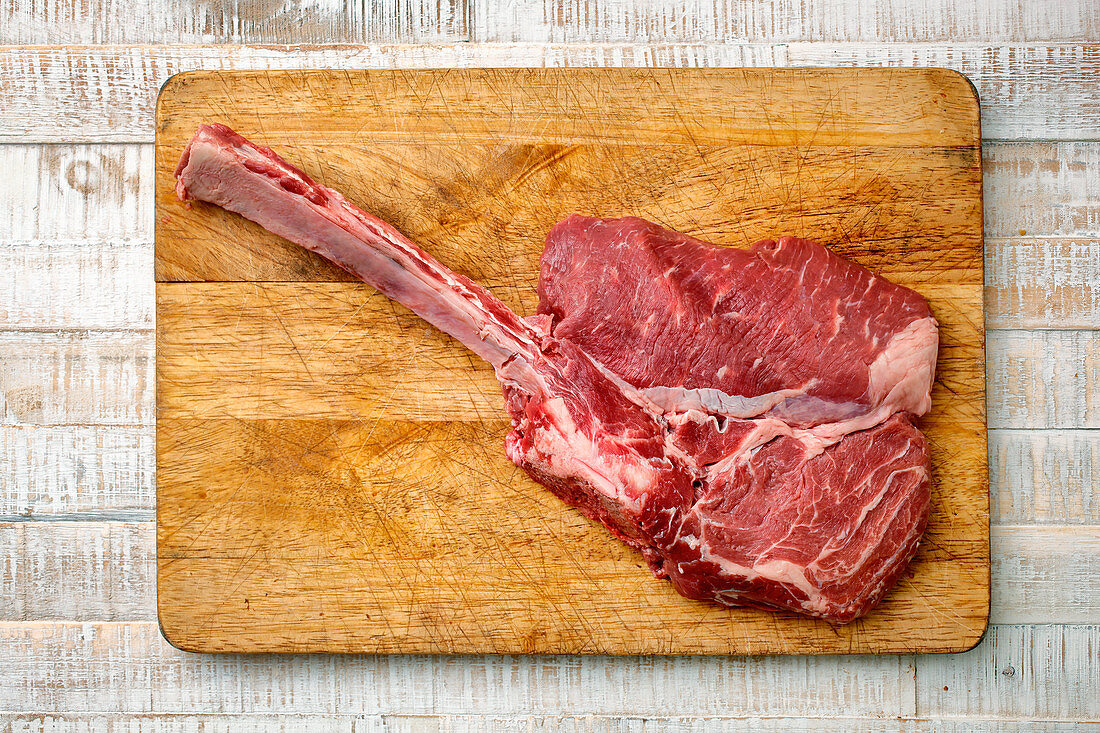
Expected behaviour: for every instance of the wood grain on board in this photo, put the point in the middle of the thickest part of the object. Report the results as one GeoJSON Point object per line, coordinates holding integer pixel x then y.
{"type": "Point", "coordinates": [330, 471]}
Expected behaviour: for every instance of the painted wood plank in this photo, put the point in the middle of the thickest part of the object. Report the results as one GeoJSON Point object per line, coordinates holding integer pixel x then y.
{"type": "Point", "coordinates": [1042, 189]}
{"type": "Point", "coordinates": [77, 570]}
{"type": "Point", "coordinates": [711, 724]}
{"type": "Point", "coordinates": [566, 21]}
{"type": "Point", "coordinates": [128, 667]}
{"type": "Point", "coordinates": [107, 94]}
{"type": "Point", "coordinates": [76, 193]}
{"type": "Point", "coordinates": [104, 571]}
{"type": "Point", "coordinates": [1044, 476]}
{"type": "Point", "coordinates": [950, 20]}
{"type": "Point", "coordinates": [101, 378]}
{"type": "Point", "coordinates": [1043, 379]}
{"type": "Point", "coordinates": [1005, 76]}
{"type": "Point", "coordinates": [230, 723]}
{"type": "Point", "coordinates": [1043, 575]}
{"type": "Point", "coordinates": [1042, 283]}
{"type": "Point", "coordinates": [1041, 672]}
{"type": "Point", "coordinates": [59, 22]}
{"type": "Point", "coordinates": [89, 285]}
{"type": "Point", "coordinates": [54, 722]}
{"type": "Point", "coordinates": [689, 724]}
{"type": "Point", "coordinates": [646, 21]}
{"type": "Point", "coordinates": [1000, 725]}
{"type": "Point", "coordinates": [1016, 673]}
{"type": "Point", "coordinates": [89, 471]}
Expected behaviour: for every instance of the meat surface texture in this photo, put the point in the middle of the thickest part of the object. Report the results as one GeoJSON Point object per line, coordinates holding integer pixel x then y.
{"type": "Point", "coordinates": [744, 418]}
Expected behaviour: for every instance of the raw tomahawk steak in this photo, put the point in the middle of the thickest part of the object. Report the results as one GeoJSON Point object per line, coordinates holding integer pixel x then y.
{"type": "Point", "coordinates": [741, 417]}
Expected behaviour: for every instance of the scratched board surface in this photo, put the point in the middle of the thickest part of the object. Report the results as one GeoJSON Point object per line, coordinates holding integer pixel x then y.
{"type": "Point", "coordinates": [330, 469]}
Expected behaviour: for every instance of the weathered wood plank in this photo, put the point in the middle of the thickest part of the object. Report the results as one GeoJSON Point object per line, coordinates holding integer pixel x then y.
{"type": "Point", "coordinates": [1000, 725]}
{"type": "Point", "coordinates": [1044, 476]}
{"type": "Point", "coordinates": [77, 570]}
{"type": "Point", "coordinates": [1042, 672]}
{"type": "Point", "coordinates": [67, 470]}
{"type": "Point", "coordinates": [473, 723]}
{"type": "Point", "coordinates": [1007, 78]}
{"type": "Point", "coordinates": [104, 571]}
{"type": "Point", "coordinates": [1016, 673]}
{"type": "Point", "coordinates": [716, 724]}
{"type": "Point", "coordinates": [76, 193]}
{"type": "Point", "coordinates": [100, 378]}
{"type": "Point", "coordinates": [687, 724]}
{"type": "Point", "coordinates": [568, 21]}
{"type": "Point", "coordinates": [1042, 189]}
{"type": "Point", "coordinates": [1042, 283]}
{"type": "Point", "coordinates": [128, 667]}
{"type": "Point", "coordinates": [89, 285]}
{"type": "Point", "coordinates": [588, 21]}
{"type": "Point", "coordinates": [1043, 379]}
{"type": "Point", "coordinates": [1044, 575]}
{"type": "Point", "coordinates": [107, 94]}
{"type": "Point", "coordinates": [58, 22]}
{"type": "Point", "coordinates": [289, 722]}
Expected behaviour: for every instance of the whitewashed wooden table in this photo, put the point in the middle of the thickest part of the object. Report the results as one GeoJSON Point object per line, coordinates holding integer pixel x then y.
{"type": "Point", "coordinates": [79, 644]}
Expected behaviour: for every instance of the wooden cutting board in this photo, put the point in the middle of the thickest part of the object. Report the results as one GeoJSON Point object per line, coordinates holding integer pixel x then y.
{"type": "Point", "coordinates": [330, 469]}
